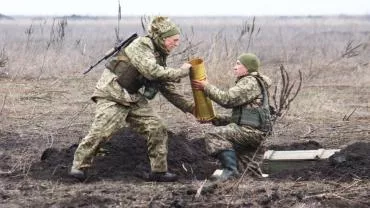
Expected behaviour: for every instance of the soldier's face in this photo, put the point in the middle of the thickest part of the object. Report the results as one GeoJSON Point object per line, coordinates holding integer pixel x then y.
{"type": "Point", "coordinates": [172, 42]}
{"type": "Point", "coordinates": [240, 69]}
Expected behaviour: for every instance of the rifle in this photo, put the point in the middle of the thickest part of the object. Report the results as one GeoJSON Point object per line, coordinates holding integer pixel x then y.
{"type": "Point", "coordinates": [113, 51]}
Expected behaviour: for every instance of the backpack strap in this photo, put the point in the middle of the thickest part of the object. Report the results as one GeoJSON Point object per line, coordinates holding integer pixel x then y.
{"type": "Point", "coordinates": [265, 98]}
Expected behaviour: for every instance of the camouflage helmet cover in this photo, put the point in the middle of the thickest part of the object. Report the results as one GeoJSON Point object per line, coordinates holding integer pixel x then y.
{"type": "Point", "coordinates": [162, 27]}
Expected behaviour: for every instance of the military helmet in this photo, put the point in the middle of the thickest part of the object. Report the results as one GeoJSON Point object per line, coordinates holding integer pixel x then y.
{"type": "Point", "coordinates": [162, 27]}
{"type": "Point", "coordinates": [250, 61]}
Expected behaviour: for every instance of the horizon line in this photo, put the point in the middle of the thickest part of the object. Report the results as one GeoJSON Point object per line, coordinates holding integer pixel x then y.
{"type": "Point", "coordinates": [182, 15]}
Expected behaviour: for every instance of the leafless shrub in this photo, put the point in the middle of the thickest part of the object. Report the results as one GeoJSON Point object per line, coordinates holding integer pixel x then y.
{"type": "Point", "coordinates": [224, 44]}
{"type": "Point", "coordinates": [80, 45]}
{"type": "Point", "coordinates": [350, 50]}
{"type": "Point", "coordinates": [61, 29]}
{"type": "Point", "coordinates": [216, 46]}
{"type": "Point", "coordinates": [42, 25]}
{"type": "Point", "coordinates": [144, 22]}
{"type": "Point", "coordinates": [346, 117]}
{"type": "Point", "coordinates": [283, 92]}
{"type": "Point", "coordinates": [56, 38]}
{"type": "Point", "coordinates": [119, 17]}
{"type": "Point", "coordinates": [250, 30]}
{"type": "Point", "coordinates": [3, 103]}
{"type": "Point", "coordinates": [29, 31]}
{"type": "Point", "coordinates": [57, 32]}
{"type": "Point", "coordinates": [3, 58]}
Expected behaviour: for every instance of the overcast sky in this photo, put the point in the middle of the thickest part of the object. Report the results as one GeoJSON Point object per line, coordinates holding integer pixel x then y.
{"type": "Point", "coordinates": [185, 7]}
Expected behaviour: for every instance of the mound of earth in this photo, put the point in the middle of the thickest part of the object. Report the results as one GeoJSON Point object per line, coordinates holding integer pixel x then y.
{"type": "Point", "coordinates": [119, 174]}
{"type": "Point", "coordinates": [124, 157]}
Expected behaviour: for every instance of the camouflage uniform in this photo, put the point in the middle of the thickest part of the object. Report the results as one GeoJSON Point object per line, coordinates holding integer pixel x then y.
{"type": "Point", "coordinates": [229, 135]}
{"type": "Point", "coordinates": [118, 107]}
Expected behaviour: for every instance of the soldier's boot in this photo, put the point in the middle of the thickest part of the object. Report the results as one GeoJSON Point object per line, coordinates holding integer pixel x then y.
{"type": "Point", "coordinates": [229, 167]}
{"type": "Point", "coordinates": [162, 177]}
{"type": "Point", "coordinates": [78, 173]}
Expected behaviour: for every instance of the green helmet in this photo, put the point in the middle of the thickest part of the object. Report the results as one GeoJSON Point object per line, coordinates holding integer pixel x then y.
{"type": "Point", "coordinates": [250, 61]}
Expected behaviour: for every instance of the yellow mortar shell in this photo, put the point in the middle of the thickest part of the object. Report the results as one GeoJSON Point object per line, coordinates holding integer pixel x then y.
{"type": "Point", "coordinates": [204, 110]}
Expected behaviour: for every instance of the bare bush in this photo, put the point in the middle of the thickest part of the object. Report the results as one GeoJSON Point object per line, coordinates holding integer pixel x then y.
{"type": "Point", "coordinates": [58, 31]}
{"type": "Point", "coordinates": [29, 32]}
{"type": "Point", "coordinates": [350, 50]}
{"type": "Point", "coordinates": [117, 29]}
{"type": "Point", "coordinates": [284, 94]}
{"type": "Point", "coordinates": [3, 58]}
{"type": "Point", "coordinates": [144, 22]}
{"type": "Point", "coordinates": [250, 31]}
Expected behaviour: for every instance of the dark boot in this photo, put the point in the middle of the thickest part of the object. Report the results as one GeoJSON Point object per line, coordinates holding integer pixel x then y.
{"type": "Point", "coordinates": [77, 173]}
{"type": "Point", "coordinates": [162, 177]}
{"type": "Point", "coordinates": [229, 166]}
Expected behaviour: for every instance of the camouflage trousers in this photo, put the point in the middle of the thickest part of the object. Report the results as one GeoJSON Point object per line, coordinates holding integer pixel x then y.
{"type": "Point", "coordinates": [233, 136]}
{"type": "Point", "coordinates": [110, 117]}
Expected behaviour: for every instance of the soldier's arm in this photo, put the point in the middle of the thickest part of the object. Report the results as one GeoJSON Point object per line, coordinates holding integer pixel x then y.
{"type": "Point", "coordinates": [168, 90]}
{"type": "Point", "coordinates": [245, 91]}
{"type": "Point", "coordinates": [141, 55]}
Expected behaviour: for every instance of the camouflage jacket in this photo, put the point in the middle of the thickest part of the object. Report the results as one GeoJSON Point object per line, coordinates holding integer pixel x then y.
{"type": "Point", "coordinates": [150, 64]}
{"type": "Point", "coordinates": [245, 92]}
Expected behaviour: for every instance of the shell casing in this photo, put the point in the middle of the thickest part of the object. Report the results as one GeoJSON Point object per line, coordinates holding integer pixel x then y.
{"type": "Point", "coordinates": [204, 110]}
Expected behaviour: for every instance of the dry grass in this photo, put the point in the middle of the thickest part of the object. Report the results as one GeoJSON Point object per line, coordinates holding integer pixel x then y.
{"type": "Point", "coordinates": [35, 50]}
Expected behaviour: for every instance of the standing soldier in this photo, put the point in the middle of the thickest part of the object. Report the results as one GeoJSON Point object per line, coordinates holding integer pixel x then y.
{"type": "Point", "coordinates": [250, 121]}
{"type": "Point", "coordinates": [142, 64]}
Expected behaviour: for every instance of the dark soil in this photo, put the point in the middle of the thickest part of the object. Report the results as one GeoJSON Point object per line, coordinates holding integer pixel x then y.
{"type": "Point", "coordinates": [124, 158]}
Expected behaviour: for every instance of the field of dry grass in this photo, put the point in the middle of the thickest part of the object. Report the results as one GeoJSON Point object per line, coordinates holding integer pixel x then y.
{"type": "Point", "coordinates": [44, 99]}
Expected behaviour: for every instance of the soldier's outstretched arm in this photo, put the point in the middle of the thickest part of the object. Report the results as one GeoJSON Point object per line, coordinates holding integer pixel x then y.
{"type": "Point", "coordinates": [168, 90]}
{"type": "Point", "coordinates": [243, 92]}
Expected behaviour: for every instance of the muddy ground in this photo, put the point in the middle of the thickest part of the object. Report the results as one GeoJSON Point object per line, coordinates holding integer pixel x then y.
{"type": "Point", "coordinates": [43, 120]}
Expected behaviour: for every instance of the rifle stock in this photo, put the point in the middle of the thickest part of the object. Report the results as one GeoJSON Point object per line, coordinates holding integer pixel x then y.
{"type": "Point", "coordinates": [113, 51]}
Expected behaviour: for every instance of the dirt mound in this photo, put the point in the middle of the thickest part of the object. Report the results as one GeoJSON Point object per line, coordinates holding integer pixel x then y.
{"type": "Point", "coordinates": [124, 157]}
{"type": "Point", "coordinates": [118, 177]}
{"type": "Point", "coordinates": [351, 162]}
